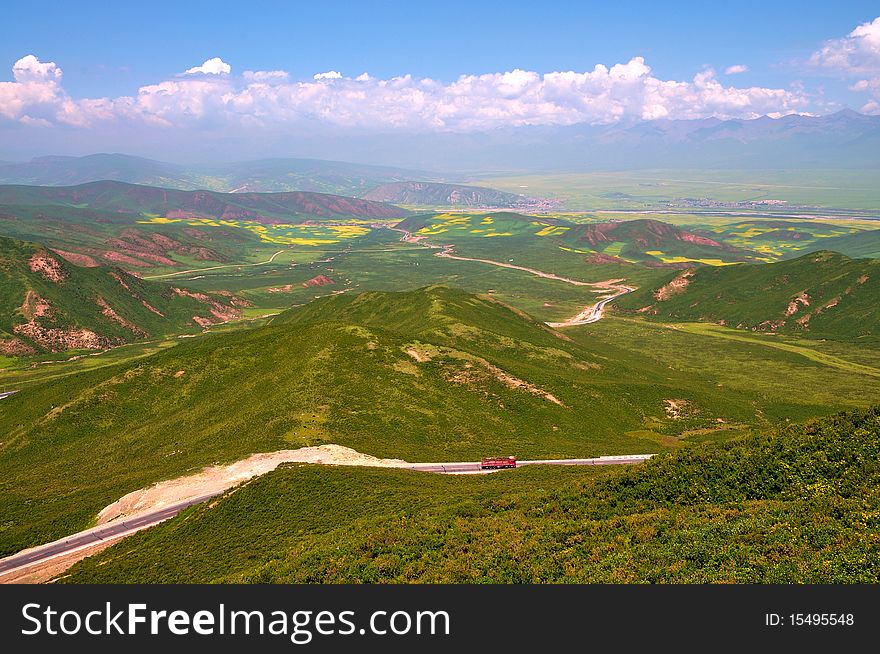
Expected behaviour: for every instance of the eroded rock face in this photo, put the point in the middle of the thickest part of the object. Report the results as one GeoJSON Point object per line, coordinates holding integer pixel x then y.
{"type": "Point", "coordinates": [219, 312]}
{"type": "Point", "coordinates": [320, 280]}
{"type": "Point", "coordinates": [13, 347]}
{"type": "Point", "coordinates": [57, 339]}
{"type": "Point", "coordinates": [47, 266]}
{"type": "Point", "coordinates": [109, 312]}
{"type": "Point", "coordinates": [675, 287]}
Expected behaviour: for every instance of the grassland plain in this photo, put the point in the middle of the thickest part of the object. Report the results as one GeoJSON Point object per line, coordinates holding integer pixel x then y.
{"type": "Point", "coordinates": [435, 374]}
{"type": "Point", "coordinates": [795, 505]}
{"type": "Point", "coordinates": [841, 189]}
{"type": "Point", "coordinates": [821, 295]}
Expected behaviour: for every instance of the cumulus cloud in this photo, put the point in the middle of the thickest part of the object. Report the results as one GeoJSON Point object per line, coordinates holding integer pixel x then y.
{"type": "Point", "coordinates": [209, 95]}
{"type": "Point", "coordinates": [214, 66]}
{"type": "Point", "coordinates": [736, 69]}
{"type": "Point", "coordinates": [330, 74]}
{"type": "Point", "coordinates": [857, 55]}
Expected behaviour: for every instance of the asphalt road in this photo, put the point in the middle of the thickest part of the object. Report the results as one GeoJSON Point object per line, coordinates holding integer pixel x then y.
{"type": "Point", "coordinates": [117, 529]}
{"type": "Point", "coordinates": [90, 537]}
{"type": "Point", "coordinates": [3, 396]}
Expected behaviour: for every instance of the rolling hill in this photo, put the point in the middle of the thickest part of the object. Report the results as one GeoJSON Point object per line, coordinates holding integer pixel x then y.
{"type": "Point", "coordinates": [857, 246]}
{"type": "Point", "coordinates": [542, 240]}
{"type": "Point", "coordinates": [822, 294]}
{"type": "Point", "coordinates": [795, 505]}
{"type": "Point", "coordinates": [48, 304]}
{"type": "Point", "coordinates": [436, 194]}
{"type": "Point", "coordinates": [134, 199]}
{"type": "Point", "coordinates": [429, 375]}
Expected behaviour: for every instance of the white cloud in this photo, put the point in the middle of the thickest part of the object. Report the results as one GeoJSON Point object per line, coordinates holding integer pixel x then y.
{"type": "Point", "coordinates": [330, 74]}
{"type": "Point", "coordinates": [736, 69]}
{"type": "Point", "coordinates": [214, 66]}
{"type": "Point", "coordinates": [272, 99]}
{"type": "Point", "coordinates": [855, 55]}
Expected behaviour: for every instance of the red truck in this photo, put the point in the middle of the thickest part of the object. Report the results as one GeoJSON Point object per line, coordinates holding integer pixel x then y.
{"type": "Point", "coordinates": [496, 463]}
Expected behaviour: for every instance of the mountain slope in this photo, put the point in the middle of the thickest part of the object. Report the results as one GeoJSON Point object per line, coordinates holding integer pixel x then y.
{"type": "Point", "coordinates": [265, 175]}
{"type": "Point", "coordinates": [823, 294]}
{"type": "Point", "coordinates": [450, 195]}
{"type": "Point", "coordinates": [650, 241]}
{"type": "Point", "coordinates": [798, 505]}
{"type": "Point", "coordinates": [49, 304]}
{"type": "Point", "coordinates": [135, 199]}
{"type": "Point", "coordinates": [455, 377]}
{"type": "Point", "coordinates": [862, 245]}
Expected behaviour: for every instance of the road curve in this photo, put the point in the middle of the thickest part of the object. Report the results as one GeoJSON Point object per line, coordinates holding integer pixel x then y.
{"type": "Point", "coordinates": [116, 530]}
{"type": "Point", "coordinates": [592, 313]}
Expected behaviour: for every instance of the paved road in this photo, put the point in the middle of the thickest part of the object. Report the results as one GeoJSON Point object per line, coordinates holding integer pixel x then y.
{"type": "Point", "coordinates": [474, 466]}
{"type": "Point", "coordinates": [118, 529]}
{"type": "Point", "coordinates": [90, 537]}
{"type": "Point", "coordinates": [3, 396]}
{"type": "Point", "coordinates": [592, 313]}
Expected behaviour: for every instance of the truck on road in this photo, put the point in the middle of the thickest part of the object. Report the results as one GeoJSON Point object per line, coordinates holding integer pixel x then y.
{"type": "Point", "coordinates": [496, 463]}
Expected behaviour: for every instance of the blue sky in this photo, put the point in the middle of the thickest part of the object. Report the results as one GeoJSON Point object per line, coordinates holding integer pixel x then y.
{"type": "Point", "coordinates": [113, 47]}
{"type": "Point", "coordinates": [116, 69]}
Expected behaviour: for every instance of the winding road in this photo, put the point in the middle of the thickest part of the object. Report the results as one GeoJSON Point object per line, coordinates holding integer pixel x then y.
{"type": "Point", "coordinates": [589, 314]}
{"type": "Point", "coordinates": [231, 265]}
{"type": "Point", "coordinates": [86, 542]}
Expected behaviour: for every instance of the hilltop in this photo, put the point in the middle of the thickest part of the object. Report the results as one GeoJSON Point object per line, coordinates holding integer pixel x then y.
{"type": "Point", "coordinates": [545, 240]}
{"type": "Point", "coordinates": [822, 294]}
{"type": "Point", "coordinates": [795, 505]}
{"type": "Point", "coordinates": [48, 304]}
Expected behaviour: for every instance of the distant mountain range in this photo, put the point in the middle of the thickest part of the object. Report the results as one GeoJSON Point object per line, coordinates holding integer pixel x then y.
{"type": "Point", "coordinates": [845, 139]}
{"type": "Point", "coordinates": [262, 176]}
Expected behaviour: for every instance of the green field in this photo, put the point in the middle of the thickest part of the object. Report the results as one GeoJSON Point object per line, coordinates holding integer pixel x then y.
{"type": "Point", "coordinates": [838, 189]}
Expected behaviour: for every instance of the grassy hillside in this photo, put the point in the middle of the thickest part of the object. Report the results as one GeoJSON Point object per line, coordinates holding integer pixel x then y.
{"type": "Point", "coordinates": [547, 241]}
{"type": "Point", "coordinates": [797, 505]}
{"type": "Point", "coordinates": [823, 295]}
{"type": "Point", "coordinates": [862, 245]}
{"type": "Point", "coordinates": [49, 304]}
{"type": "Point", "coordinates": [451, 377]}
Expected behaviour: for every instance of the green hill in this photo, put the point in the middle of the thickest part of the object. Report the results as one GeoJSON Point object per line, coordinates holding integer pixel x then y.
{"type": "Point", "coordinates": [546, 241]}
{"type": "Point", "coordinates": [49, 304]}
{"type": "Point", "coordinates": [860, 245]}
{"type": "Point", "coordinates": [798, 505]}
{"type": "Point", "coordinates": [823, 295]}
{"type": "Point", "coordinates": [453, 377]}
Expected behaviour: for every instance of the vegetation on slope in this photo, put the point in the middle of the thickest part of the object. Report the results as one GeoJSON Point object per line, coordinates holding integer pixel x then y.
{"type": "Point", "coordinates": [49, 304]}
{"type": "Point", "coordinates": [452, 377]}
{"type": "Point", "coordinates": [797, 505]}
{"type": "Point", "coordinates": [823, 295]}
